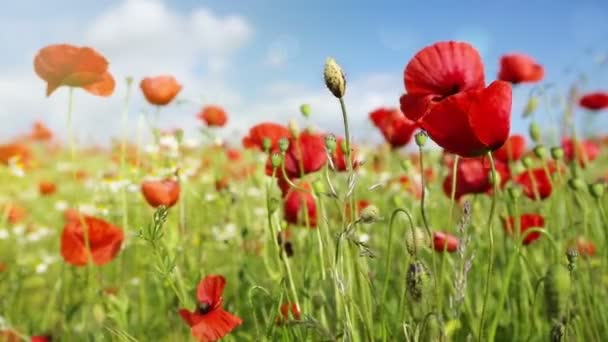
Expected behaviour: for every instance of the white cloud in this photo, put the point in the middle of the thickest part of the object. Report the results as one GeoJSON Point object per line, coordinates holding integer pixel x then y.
{"type": "Point", "coordinates": [281, 51]}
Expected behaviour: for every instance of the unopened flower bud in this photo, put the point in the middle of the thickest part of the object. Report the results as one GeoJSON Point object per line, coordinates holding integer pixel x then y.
{"type": "Point", "coordinates": [276, 159]}
{"type": "Point", "coordinates": [494, 177]}
{"type": "Point", "coordinates": [421, 138]}
{"type": "Point", "coordinates": [318, 186]}
{"type": "Point", "coordinates": [334, 78]}
{"type": "Point", "coordinates": [540, 151]}
{"type": "Point", "coordinates": [305, 110]}
{"type": "Point", "coordinates": [514, 192]}
{"type": "Point", "coordinates": [557, 153]}
{"type": "Point", "coordinates": [576, 183]}
{"type": "Point", "coordinates": [283, 144]}
{"type": "Point", "coordinates": [330, 143]}
{"type": "Point", "coordinates": [527, 161]}
{"type": "Point", "coordinates": [370, 214]}
{"type": "Point", "coordinates": [415, 240]}
{"type": "Point", "coordinates": [597, 190]}
{"type": "Point", "coordinates": [534, 131]}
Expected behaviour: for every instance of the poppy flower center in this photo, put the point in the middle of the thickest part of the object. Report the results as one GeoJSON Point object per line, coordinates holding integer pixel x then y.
{"type": "Point", "coordinates": [203, 308]}
{"type": "Point", "coordinates": [453, 90]}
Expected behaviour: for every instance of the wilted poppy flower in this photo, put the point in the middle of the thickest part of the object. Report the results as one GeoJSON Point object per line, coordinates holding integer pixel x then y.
{"type": "Point", "coordinates": [306, 154]}
{"type": "Point", "coordinates": [512, 150]}
{"type": "Point", "coordinates": [583, 246]}
{"type": "Point", "coordinates": [473, 177]}
{"type": "Point", "coordinates": [535, 182]}
{"type": "Point", "coordinates": [297, 204]}
{"type": "Point", "coordinates": [213, 116]}
{"type": "Point", "coordinates": [394, 126]}
{"type": "Point", "coordinates": [594, 101]}
{"type": "Point", "coordinates": [446, 96]}
{"type": "Point", "coordinates": [164, 192]}
{"type": "Point", "coordinates": [73, 66]}
{"type": "Point", "coordinates": [445, 242]}
{"type": "Point", "coordinates": [47, 188]}
{"type": "Point", "coordinates": [520, 68]}
{"type": "Point", "coordinates": [40, 132]}
{"type": "Point", "coordinates": [271, 131]}
{"type": "Point", "coordinates": [209, 321]}
{"type": "Point", "coordinates": [288, 311]}
{"type": "Point", "coordinates": [586, 151]}
{"type": "Point", "coordinates": [104, 242]}
{"type": "Point", "coordinates": [160, 90]}
{"type": "Point", "coordinates": [527, 221]}
{"type": "Point", "coordinates": [15, 150]}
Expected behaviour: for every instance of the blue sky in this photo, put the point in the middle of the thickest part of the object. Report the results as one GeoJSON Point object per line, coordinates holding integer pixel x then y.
{"type": "Point", "coordinates": [261, 58]}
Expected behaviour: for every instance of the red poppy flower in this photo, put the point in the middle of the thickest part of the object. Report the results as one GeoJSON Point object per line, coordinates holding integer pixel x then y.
{"type": "Point", "coordinates": [40, 132]}
{"type": "Point", "coordinates": [298, 203]}
{"type": "Point", "coordinates": [47, 188]}
{"type": "Point", "coordinates": [446, 97]}
{"type": "Point", "coordinates": [213, 116]}
{"type": "Point", "coordinates": [233, 154]}
{"type": "Point", "coordinates": [160, 90]}
{"type": "Point", "coordinates": [586, 151]}
{"type": "Point", "coordinates": [394, 126]}
{"type": "Point", "coordinates": [512, 150]}
{"type": "Point", "coordinates": [209, 321]}
{"type": "Point", "coordinates": [339, 157]}
{"type": "Point", "coordinates": [520, 68]}
{"type": "Point", "coordinates": [584, 246]}
{"type": "Point", "coordinates": [306, 154]}
{"type": "Point", "coordinates": [73, 66]}
{"type": "Point", "coordinates": [527, 221]}
{"type": "Point", "coordinates": [14, 213]}
{"type": "Point", "coordinates": [594, 101]}
{"type": "Point", "coordinates": [15, 150]}
{"type": "Point", "coordinates": [41, 338]}
{"type": "Point", "coordinates": [285, 311]}
{"type": "Point", "coordinates": [164, 192]}
{"type": "Point", "coordinates": [104, 242]}
{"type": "Point", "coordinates": [473, 177]}
{"type": "Point", "coordinates": [445, 242]}
{"type": "Point", "coordinates": [536, 181]}
{"type": "Point", "coordinates": [267, 130]}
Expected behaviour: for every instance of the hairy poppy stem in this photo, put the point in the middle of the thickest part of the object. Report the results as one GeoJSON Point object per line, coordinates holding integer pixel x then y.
{"type": "Point", "coordinates": [491, 256]}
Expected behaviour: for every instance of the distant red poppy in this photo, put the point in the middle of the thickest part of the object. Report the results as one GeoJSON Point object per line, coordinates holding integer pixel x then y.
{"type": "Point", "coordinates": [40, 132]}
{"type": "Point", "coordinates": [160, 90]}
{"type": "Point", "coordinates": [288, 311]}
{"type": "Point", "coordinates": [73, 66]}
{"type": "Point", "coordinates": [445, 242]}
{"type": "Point", "coordinates": [411, 184]}
{"type": "Point", "coordinates": [339, 157]}
{"type": "Point", "coordinates": [519, 68]}
{"type": "Point", "coordinates": [584, 246]}
{"type": "Point", "coordinates": [394, 126]}
{"type": "Point", "coordinates": [41, 338]}
{"type": "Point", "coordinates": [213, 116]}
{"type": "Point", "coordinates": [512, 150]}
{"type": "Point", "coordinates": [164, 192]}
{"type": "Point", "coordinates": [105, 240]}
{"type": "Point", "coordinates": [14, 212]}
{"type": "Point", "coordinates": [15, 150]}
{"type": "Point", "coordinates": [594, 101]}
{"type": "Point", "coordinates": [473, 177]}
{"type": "Point", "coordinates": [221, 184]}
{"type": "Point", "coordinates": [297, 204]}
{"type": "Point", "coordinates": [47, 188]}
{"type": "Point", "coordinates": [536, 181]}
{"type": "Point", "coordinates": [306, 154]}
{"type": "Point", "coordinates": [233, 154]}
{"type": "Point", "coordinates": [209, 321]}
{"type": "Point", "coordinates": [446, 96]}
{"type": "Point", "coordinates": [527, 221]}
{"type": "Point", "coordinates": [586, 151]}
{"type": "Point", "coordinates": [266, 130]}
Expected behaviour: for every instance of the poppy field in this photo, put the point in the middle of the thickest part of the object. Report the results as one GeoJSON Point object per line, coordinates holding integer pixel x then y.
{"type": "Point", "coordinates": [454, 228]}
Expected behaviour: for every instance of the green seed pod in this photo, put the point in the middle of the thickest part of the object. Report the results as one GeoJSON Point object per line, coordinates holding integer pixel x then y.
{"type": "Point", "coordinates": [557, 153]}
{"type": "Point", "coordinates": [534, 131]}
{"type": "Point", "coordinates": [432, 330]}
{"type": "Point", "coordinates": [597, 190]}
{"type": "Point", "coordinates": [415, 240]}
{"type": "Point", "coordinates": [266, 144]}
{"type": "Point", "coordinates": [318, 186]}
{"type": "Point", "coordinates": [527, 161]}
{"type": "Point", "coordinates": [330, 143]}
{"type": "Point", "coordinates": [305, 110]}
{"type": "Point", "coordinates": [494, 177]}
{"type": "Point", "coordinates": [421, 138]}
{"type": "Point", "coordinates": [418, 280]}
{"type": "Point", "coordinates": [276, 159]}
{"type": "Point", "coordinates": [576, 184]}
{"type": "Point", "coordinates": [283, 144]}
{"type": "Point", "coordinates": [514, 192]}
{"type": "Point", "coordinates": [558, 287]}
{"type": "Point", "coordinates": [370, 214]}
{"type": "Point", "coordinates": [540, 151]}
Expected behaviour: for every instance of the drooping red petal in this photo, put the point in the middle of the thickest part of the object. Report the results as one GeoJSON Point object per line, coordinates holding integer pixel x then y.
{"type": "Point", "coordinates": [394, 126]}
{"type": "Point", "coordinates": [520, 68]}
{"type": "Point", "coordinates": [215, 325]}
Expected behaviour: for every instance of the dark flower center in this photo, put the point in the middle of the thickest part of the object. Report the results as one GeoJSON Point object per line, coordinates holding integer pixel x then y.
{"type": "Point", "coordinates": [454, 90]}
{"type": "Point", "coordinates": [203, 308]}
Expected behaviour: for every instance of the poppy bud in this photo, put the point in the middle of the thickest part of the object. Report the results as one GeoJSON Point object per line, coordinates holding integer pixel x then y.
{"type": "Point", "coordinates": [576, 183]}
{"type": "Point", "coordinates": [530, 106]}
{"type": "Point", "coordinates": [418, 280]}
{"type": "Point", "coordinates": [558, 286]}
{"type": "Point", "coordinates": [334, 78]}
{"type": "Point", "coordinates": [421, 138]}
{"type": "Point", "coordinates": [534, 131]}
{"type": "Point", "coordinates": [514, 193]}
{"type": "Point", "coordinates": [557, 153]}
{"type": "Point", "coordinates": [273, 205]}
{"type": "Point", "coordinates": [266, 144]}
{"type": "Point", "coordinates": [330, 143]}
{"type": "Point", "coordinates": [294, 129]}
{"type": "Point", "coordinates": [572, 256]}
{"type": "Point", "coordinates": [597, 190]}
{"type": "Point", "coordinates": [305, 110]}
{"type": "Point", "coordinates": [527, 161]}
{"type": "Point", "coordinates": [494, 177]}
{"type": "Point", "coordinates": [276, 159]}
{"type": "Point", "coordinates": [318, 186]}
{"type": "Point", "coordinates": [540, 151]}
{"type": "Point", "coordinates": [283, 144]}
{"type": "Point", "coordinates": [415, 240]}
{"type": "Point", "coordinates": [369, 214]}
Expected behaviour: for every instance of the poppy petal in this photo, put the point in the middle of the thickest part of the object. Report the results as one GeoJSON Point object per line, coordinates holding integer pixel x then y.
{"type": "Point", "coordinates": [490, 114]}
{"type": "Point", "coordinates": [210, 290]}
{"type": "Point", "coordinates": [104, 87]}
{"type": "Point", "coordinates": [215, 325]}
